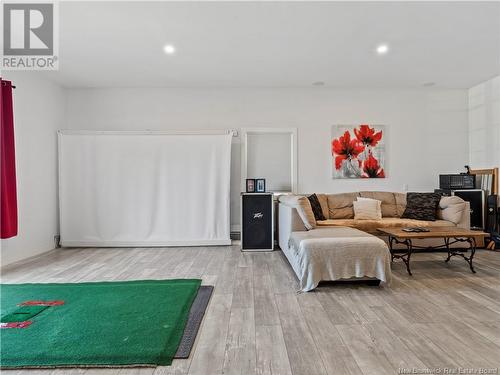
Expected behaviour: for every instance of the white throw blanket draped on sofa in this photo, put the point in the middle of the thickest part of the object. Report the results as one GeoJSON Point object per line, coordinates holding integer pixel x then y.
{"type": "Point", "coordinates": [144, 188]}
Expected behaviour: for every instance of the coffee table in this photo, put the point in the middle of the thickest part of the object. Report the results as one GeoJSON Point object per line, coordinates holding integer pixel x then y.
{"type": "Point", "coordinates": [450, 235]}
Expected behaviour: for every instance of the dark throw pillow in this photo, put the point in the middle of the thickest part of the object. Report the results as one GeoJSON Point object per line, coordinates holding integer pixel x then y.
{"type": "Point", "coordinates": [421, 206]}
{"type": "Point", "coordinates": [316, 207]}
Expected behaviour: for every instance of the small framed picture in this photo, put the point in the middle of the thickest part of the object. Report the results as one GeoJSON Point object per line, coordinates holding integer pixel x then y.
{"type": "Point", "coordinates": [260, 185]}
{"type": "Point", "coordinates": [250, 185]}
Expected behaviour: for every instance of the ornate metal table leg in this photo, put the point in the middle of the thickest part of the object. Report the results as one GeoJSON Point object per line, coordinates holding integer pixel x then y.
{"type": "Point", "coordinates": [408, 255]}
{"type": "Point", "coordinates": [472, 247]}
{"type": "Point", "coordinates": [447, 244]}
{"type": "Point", "coordinates": [405, 257]}
{"type": "Point", "coordinates": [391, 239]}
{"type": "Point", "coordinates": [472, 243]}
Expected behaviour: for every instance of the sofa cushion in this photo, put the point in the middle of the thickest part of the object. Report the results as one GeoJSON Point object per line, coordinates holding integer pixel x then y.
{"type": "Point", "coordinates": [367, 209]}
{"type": "Point", "coordinates": [371, 226]}
{"type": "Point", "coordinates": [451, 209]}
{"type": "Point", "coordinates": [316, 207]}
{"type": "Point", "coordinates": [389, 208]}
{"type": "Point", "coordinates": [340, 205]}
{"type": "Point", "coordinates": [303, 207]}
{"type": "Point", "coordinates": [323, 201]}
{"type": "Point", "coordinates": [400, 203]}
{"type": "Point", "coordinates": [421, 206]}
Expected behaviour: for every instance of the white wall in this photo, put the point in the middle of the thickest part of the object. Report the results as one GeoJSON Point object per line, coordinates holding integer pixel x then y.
{"type": "Point", "coordinates": [427, 129]}
{"type": "Point", "coordinates": [269, 157]}
{"type": "Point", "coordinates": [39, 109]}
{"type": "Point", "coordinates": [484, 124]}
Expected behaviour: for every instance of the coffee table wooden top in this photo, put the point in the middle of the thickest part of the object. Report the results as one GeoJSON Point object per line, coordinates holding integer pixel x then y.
{"type": "Point", "coordinates": [439, 232]}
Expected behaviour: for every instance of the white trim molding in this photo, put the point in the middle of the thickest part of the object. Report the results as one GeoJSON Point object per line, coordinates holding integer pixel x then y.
{"type": "Point", "coordinates": [293, 154]}
{"type": "Point", "coordinates": [146, 244]}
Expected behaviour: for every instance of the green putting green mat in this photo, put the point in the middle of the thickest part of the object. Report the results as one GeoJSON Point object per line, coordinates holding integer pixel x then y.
{"type": "Point", "coordinates": [101, 324]}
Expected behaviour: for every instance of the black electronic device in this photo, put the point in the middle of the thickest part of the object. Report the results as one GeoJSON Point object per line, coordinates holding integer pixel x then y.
{"type": "Point", "coordinates": [257, 222]}
{"type": "Point", "coordinates": [457, 181]}
{"type": "Point", "coordinates": [476, 199]}
{"type": "Point", "coordinates": [492, 214]}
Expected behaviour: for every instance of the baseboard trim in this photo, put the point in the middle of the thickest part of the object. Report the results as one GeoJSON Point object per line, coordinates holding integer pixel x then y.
{"type": "Point", "coordinates": [145, 243]}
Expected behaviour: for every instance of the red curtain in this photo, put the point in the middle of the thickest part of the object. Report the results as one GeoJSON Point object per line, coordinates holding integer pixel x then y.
{"type": "Point", "coordinates": [8, 196]}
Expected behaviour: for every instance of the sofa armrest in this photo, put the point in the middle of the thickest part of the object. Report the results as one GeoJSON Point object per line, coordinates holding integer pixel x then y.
{"type": "Point", "coordinates": [465, 219]}
{"type": "Point", "coordinates": [456, 210]}
{"type": "Point", "coordinates": [288, 221]}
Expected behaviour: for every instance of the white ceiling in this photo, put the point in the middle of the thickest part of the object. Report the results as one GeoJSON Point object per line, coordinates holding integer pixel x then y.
{"type": "Point", "coordinates": [278, 44]}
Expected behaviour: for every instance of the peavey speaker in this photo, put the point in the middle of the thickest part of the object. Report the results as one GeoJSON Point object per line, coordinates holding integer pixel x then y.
{"type": "Point", "coordinates": [477, 206]}
{"type": "Point", "coordinates": [492, 214]}
{"type": "Point", "coordinates": [257, 222]}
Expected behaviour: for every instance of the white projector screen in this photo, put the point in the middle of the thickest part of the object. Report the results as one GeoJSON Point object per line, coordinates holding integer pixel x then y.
{"type": "Point", "coordinates": [144, 189]}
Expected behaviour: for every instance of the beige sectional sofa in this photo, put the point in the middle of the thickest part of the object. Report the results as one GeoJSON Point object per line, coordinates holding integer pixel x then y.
{"type": "Point", "coordinates": [295, 214]}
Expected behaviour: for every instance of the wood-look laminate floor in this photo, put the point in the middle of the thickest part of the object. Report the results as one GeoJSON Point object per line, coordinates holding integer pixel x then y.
{"type": "Point", "coordinates": [442, 317]}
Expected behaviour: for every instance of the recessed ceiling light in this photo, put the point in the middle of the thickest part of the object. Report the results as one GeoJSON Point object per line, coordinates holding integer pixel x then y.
{"type": "Point", "coordinates": [382, 49]}
{"type": "Point", "coordinates": [318, 83]}
{"type": "Point", "coordinates": [169, 49]}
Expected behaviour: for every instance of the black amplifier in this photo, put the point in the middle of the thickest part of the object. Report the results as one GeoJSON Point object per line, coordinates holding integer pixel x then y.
{"type": "Point", "coordinates": [457, 181]}
{"type": "Point", "coordinates": [257, 221]}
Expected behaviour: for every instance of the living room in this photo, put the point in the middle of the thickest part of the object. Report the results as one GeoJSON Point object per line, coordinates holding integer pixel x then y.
{"type": "Point", "coordinates": [134, 148]}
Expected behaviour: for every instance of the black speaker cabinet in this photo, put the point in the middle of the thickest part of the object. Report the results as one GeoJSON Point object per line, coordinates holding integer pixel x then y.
{"type": "Point", "coordinates": [492, 214]}
{"type": "Point", "coordinates": [257, 222]}
{"type": "Point", "coordinates": [476, 198]}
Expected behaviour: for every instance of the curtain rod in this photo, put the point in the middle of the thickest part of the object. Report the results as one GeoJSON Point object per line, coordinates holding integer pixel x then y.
{"type": "Point", "coordinates": [233, 132]}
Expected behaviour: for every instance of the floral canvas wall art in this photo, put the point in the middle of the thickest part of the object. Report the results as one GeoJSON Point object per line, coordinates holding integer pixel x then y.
{"type": "Point", "coordinates": [358, 151]}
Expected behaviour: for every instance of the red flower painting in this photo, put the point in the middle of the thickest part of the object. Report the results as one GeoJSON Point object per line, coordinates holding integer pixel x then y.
{"type": "Point", "coordinates": [358, 151]}
{"type": "Point", "coordinates": [345, 149]}
{"type": "Point", "coordinates": [367, 135]}
{"type": "Point", "coordinates": [371, 168]}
